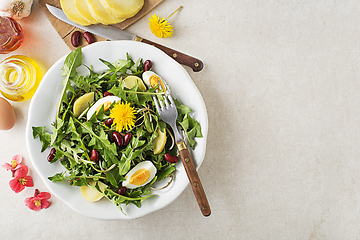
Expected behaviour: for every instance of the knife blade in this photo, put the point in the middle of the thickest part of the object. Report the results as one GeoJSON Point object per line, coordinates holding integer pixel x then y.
{"type": "Point", "coordinates": [113, 33]}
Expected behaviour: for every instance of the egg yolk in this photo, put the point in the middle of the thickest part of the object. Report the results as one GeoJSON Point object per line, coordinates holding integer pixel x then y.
{"type": "Point", "coordinates": [106, 106]}
{"type": "Point", "coordinates": [140, 177]}
{"type": "Point", "coordinates": [155, 80]}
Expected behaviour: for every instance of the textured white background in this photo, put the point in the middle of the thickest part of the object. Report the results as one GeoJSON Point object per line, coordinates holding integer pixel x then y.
{"type": "Point", "coordinates": [281, 85]}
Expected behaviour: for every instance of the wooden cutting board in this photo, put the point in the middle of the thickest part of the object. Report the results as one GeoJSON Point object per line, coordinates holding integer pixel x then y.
{"type": "Point", "coordinates": [65, 30]}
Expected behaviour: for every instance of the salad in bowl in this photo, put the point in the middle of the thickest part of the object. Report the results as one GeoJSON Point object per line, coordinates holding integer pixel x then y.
{"type": "Point", "coordinates": [106, 140]}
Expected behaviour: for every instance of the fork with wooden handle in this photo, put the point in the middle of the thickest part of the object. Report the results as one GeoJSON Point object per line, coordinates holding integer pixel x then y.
{"type": "Point", "coordinates": [168, 114]}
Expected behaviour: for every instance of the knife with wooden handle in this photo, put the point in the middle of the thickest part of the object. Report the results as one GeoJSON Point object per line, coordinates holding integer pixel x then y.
{"type": "Point", "coordinates": [113, 33]}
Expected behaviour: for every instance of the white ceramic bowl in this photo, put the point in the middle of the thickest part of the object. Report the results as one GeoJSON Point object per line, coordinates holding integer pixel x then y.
{"type": "Point", "coordinates": [42, 113]}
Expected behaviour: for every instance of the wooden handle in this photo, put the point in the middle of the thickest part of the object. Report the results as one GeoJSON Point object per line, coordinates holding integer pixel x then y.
{"type": "Point", "coordinates": [194, 179]}
{"type": "Point", "coordinates": [196, 64]}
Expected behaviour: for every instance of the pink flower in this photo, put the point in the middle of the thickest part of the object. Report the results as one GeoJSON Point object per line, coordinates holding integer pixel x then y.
{"type": "Point", "coordinates": [38, 201]}
{"type": "Point", "coordinates": [21, 180]}
{"type": "Point", "coordinates": [14, 165]}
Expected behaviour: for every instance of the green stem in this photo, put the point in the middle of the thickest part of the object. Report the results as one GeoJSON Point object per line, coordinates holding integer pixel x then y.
{"type": "Point", "coordinates": [103, 171]}
{"type": "Point", "coordinates": [174, 12]}
{"type": "Point", "coordinates": [150, 93]}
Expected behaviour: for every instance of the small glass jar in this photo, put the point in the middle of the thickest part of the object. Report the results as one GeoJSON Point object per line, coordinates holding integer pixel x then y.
{"type": "Point", "coordinates": [11, 35]}
{"type": "Point", "coordinates": [19, 78]}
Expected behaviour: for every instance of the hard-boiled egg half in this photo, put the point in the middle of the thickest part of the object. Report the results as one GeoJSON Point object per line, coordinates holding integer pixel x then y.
{"type": "Point", "coordinates": [105, 101]}
{"type": "Point", "coordinates": [140, 175]}
{"type": "Point", "coordinates": [151, 79]}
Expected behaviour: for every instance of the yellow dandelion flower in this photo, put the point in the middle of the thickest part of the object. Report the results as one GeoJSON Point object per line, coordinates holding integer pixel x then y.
{"type": "Point", "coordinates": [161, 27]}
{"type": "Point", "coordinates": [123, 116]}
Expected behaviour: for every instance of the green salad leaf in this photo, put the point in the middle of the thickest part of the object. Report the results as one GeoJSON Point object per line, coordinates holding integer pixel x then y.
{"type": "Point", "coordinates": [72, 61]}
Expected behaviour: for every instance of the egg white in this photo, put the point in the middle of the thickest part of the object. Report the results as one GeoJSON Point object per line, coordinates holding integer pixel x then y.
{"type": "Point", "coordinates": [146, 77]}
{"type": "Point", "coordinates": [93, 108]}
{"type": "Point", "coordinates": [148, 165]}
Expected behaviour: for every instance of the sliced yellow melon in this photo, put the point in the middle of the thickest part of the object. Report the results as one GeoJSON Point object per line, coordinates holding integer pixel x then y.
{"type": "Point", "coordinates": [100, 14]}
{"type": "Point", "coordinates": [131, 81]}
{"type": "Point", "coordinates": [90, 193]}
{"type": "Point", "coordinates": [82, 103]}
{"type": "Point", "coordinates": [68, 6]}
{"type": "Point", "coordinates": [159, 141]}
{"type": "Point", "coordinates": [83, 9]}
{"type": "Point", "coordinates": [122, 8]}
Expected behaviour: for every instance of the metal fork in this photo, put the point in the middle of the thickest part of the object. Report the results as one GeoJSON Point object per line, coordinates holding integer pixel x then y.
{"type": "Point", "coordinates": [169, 114]}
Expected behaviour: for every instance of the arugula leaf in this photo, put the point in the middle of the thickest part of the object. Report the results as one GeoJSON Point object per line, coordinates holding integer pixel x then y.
{"type": "Point", "coordinates": [191, 128]}
{"type": "Point", "coordinates": [130, 153]}
{"type": "Point", "coordinates": [111, 178]}
{"type": "Point", "coordinates": [108, 64]}
{"type": "Point", "coordinates": [135, 68]}
{"type": "Point", "coordinates": [120, 199]}
{"type": "Point", "coordinates": [72, 61]}
{"type": "Point", "coordinates": [122, 65]}
{"type": "Point", "coordinates": [182, 109]}
{"type": "Point", "coordinates": [101, 140]}
{"type": "Point", "coordinates": [56, 128]}
{"type": "Point", "coordinates": [45, 137]}
{"type": "Point", "coordinates": [166, 172]}
{"type": "Point", "coordinates": [59, 177]}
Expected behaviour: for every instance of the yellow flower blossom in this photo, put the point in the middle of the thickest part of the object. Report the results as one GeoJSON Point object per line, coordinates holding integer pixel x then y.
{"type": "Point", "coordinates": [161, 27]}
{"type": "Point", "coordinates": [123, 116]}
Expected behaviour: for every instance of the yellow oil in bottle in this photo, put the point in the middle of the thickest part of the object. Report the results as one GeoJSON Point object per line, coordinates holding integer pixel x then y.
{"type": "Point", "coordinates": [20, 76]}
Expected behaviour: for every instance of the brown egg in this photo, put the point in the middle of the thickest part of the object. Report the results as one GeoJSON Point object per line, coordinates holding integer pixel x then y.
{"type": "Point", "coordinates": [7, 115]}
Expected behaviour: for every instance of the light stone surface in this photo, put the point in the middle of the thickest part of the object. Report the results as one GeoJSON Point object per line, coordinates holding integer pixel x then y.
{"type": "Point", "coordinates": [282, 88]}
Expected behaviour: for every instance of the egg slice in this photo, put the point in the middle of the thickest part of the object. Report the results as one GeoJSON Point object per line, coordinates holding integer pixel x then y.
{"type": "Point", "coordinates": [140, 175]}
{"type": "Point", "coordinates": [105, 101]}
{"type": "Point", "coordinates": [151, 79]}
